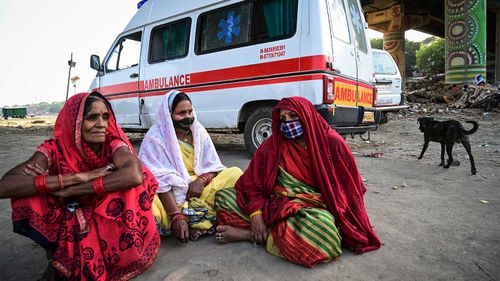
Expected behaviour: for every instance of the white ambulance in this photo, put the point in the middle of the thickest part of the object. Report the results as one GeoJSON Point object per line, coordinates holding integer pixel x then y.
{"type": "Point", "coordinates": [390, 97]}
{"type": "Point", "coordinates": [236, 59]}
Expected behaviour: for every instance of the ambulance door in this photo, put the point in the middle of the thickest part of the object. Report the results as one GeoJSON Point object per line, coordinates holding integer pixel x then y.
{"type": "Point", "coordinates": [363, 54]}
{"type": "Point", "coordinates": [120, 83]}
{"type": "Point", "coordinates": [165, 63]}
{"type": "Point", "coordinates": [344, 56]}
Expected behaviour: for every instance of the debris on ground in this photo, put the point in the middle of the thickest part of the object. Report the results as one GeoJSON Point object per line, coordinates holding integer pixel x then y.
{"type": "Point", "coordinates": [373, 154]}
{"type": "Point", "coordinates": [475, 96]}
{"type": "Point", "coordinates": [434, 90]}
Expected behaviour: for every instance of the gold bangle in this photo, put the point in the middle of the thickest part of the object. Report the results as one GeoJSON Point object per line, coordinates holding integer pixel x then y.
{"type": "Point", "coordinates": [257, 212]}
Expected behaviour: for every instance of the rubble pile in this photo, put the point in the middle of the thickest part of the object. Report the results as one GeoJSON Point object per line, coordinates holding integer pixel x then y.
{"type": "Point", "coordinates": [434, 90]}
{"type": "Point", "coordinates": [475, 96]}
{"type": "Point", "coordinates": [423, 109]}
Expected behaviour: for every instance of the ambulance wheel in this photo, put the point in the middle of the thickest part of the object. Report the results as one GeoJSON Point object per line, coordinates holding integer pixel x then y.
{"type": "Point", "coordinates": [257, 128]}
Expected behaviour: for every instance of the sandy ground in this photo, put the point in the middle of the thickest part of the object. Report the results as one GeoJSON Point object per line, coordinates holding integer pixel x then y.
{"type": "Point", "coordinates": [39, 122]}
{"type": "Point", "coordinates": [435, 223]}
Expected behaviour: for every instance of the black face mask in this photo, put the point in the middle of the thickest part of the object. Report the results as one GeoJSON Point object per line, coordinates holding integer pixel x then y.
{"type": "Point", "coordinates": [184, 123]}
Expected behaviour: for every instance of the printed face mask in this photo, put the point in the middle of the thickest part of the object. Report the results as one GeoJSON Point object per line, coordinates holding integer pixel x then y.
{"type": "Point", "coordinates": [184, 123]}
{"type": "Point", "coordinates": [292, 129]}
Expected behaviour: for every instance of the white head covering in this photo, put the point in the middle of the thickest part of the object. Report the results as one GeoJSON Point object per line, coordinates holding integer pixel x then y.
{"type": "Point", "coordinates": [161, 154]}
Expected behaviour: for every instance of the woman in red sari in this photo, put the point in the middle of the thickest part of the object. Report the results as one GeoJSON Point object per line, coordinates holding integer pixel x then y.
{"type": "Point", "coordinates": [85, 197]}
{"type": "Point", "coordinates": [301, 195]}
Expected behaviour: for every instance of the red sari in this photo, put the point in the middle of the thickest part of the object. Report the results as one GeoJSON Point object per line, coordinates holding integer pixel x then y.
{"type": "Point", "coordinates": [112, 237]}
{"type": "Point", "coordinates": [332, 167]}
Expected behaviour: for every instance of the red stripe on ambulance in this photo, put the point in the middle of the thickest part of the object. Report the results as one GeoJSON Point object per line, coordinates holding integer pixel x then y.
{"type": "Point", "coordinates": [221, 75]}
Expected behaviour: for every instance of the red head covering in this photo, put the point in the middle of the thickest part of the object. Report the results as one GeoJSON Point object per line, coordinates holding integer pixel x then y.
{"type": "Point", "coordinates": [334, 169]}
{"type": "Point", "coordinates": [74, 155]}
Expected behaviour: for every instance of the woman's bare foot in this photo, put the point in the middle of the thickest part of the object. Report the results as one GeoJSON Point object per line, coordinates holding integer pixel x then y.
{"type": "Point", "coordinates": [227, 233]}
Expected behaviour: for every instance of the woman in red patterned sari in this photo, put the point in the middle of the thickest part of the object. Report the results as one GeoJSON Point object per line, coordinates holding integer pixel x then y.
{"type": "Point", "coordinates": [301, 195]}
{"type": "Point", "coordinates": [85, 197]}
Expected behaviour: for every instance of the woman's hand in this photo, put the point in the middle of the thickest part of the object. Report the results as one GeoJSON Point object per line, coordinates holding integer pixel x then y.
{"type": "Point", "coordinates": [94, 174]}
{"type": "Point", "coordinates": [35, 170]}
{"type": "Point", "coordinates": [181, 230]}
{"type": "Point", "coordinates": [82, 178]}
{"type": "Point", "coordinates": [258, 229]}
{"type": "Point", "coordinates": [195, 188]}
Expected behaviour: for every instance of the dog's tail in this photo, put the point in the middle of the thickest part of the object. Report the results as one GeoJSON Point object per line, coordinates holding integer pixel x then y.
{"type": "Point", "coordinates": [473, 130]}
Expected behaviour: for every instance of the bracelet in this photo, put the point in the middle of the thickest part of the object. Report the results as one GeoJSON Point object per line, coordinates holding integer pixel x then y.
{"type": "Point", "coordinates": [206, 178]}
{"type": "Point", "coordinates": [41, 184]}
{"type": "Point", "coordinates": [99, 187]}
{"type": "Point", "coordinates": [61, 183]}
{"type": "Point", "coordinates": [178, 217]}
{"type": "Point", "coordinates": [255, 213]}
{"type": "Point", "coordinates": [203, 178]}
{"type": "Point", "coordinates": [173, 214]}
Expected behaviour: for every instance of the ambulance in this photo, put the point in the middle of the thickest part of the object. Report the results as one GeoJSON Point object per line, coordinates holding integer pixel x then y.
{"type": "Point", "coordinates": [236, 59]}
{"type": "Point", "coordinates": [388, 81]}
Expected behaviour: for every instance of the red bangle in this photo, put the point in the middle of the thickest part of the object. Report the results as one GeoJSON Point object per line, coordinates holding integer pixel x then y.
{"type": "Point", "coordinates": [202, 177]}
{"type": "Point", "coordinates": [61, 183]}
{"type": "Point", "coordinates": [99, 187]}
{"type": "Point", "coordinates": [176, 217]}
{"type": "Point", "coordinates": [41, 184]}
{"type": "Point", "coordinates": [173, 214]}
{"type": "Point", "coordinates": [206, 178]}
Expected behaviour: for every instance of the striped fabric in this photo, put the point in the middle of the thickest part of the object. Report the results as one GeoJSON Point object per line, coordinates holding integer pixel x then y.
{"type": "Point", "coordinates": [306, 233]}
{"type": "Point", "coordinates": [228, 212]}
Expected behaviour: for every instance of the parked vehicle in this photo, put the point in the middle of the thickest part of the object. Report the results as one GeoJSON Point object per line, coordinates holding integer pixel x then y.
{"type": "Point", "coordinates": [14, 112]}
{"type": "Point", "coordinates": [388, 82]}
{"type": "Point", "coordinates": [237, 59]}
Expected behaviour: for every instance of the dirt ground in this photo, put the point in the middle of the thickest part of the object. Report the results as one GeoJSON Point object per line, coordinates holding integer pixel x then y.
{"type": "Point", "coordinates": [435, 223]}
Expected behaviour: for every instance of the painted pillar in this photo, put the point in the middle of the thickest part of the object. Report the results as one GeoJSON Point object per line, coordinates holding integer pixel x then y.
{"type": "Point", "coordinates": [465, 51]}
{"type": "Point", "coordinates": [394, 44]}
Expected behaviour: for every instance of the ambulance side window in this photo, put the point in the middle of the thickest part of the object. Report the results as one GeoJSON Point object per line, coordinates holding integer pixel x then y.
{"type": "Point", "coordinates": [358, 25]}
{"type": "Point", "coordinates": [339, 21]}
{"type": "Point", "coordinates": [126, 53]}
{"type": "Point", "coordinates": [383, 64]}
{"type": "Point", "coordinates": [170, 41]}
{"type": "Point", "coordinates": [244, 24]}
{"type": "Point", "coordinates": [225, 27]}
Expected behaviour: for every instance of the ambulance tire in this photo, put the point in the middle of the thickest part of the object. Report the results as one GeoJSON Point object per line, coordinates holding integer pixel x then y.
{"type": "Point", "coordinates": [257, 128]}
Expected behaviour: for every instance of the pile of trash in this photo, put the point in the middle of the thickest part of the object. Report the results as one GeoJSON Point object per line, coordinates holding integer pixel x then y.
{"type": "Point", "coordinates": [435, 90]}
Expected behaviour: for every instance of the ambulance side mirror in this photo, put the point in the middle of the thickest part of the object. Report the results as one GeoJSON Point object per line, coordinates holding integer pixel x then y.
{"type": "Point", "coordinates": [95, 62]}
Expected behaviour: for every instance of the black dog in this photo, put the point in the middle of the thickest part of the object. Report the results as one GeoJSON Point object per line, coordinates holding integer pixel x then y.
{"type": "Point", "coordinates": [447, 133]}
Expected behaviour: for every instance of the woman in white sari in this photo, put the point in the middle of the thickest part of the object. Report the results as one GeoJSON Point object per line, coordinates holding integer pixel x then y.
{"type": "Point", "coordinates": [181, 155]}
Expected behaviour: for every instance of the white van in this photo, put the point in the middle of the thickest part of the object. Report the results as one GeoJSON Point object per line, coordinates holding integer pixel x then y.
{"type": "Point", "coordinates": [388, 83]}
{"type": "Point", "coordinates": [236, 59]}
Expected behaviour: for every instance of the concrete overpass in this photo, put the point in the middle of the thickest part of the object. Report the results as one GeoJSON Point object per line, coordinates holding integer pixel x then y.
{"type": "Point", "coordinates": [471, 29]}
